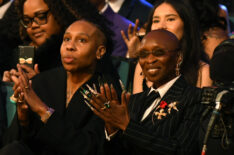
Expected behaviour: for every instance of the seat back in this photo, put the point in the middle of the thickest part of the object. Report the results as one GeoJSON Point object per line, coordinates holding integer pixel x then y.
{"type": "Point", "coordinates": [9, 107]}
{"type": "Point", "coordinates": [125, 68]}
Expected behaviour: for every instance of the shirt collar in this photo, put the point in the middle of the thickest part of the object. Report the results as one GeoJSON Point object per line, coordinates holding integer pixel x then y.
{"type": "Point", "coordinates": [116, 5]}
{"type": "Point", "coordinates": [164, 88]}
{"type": "Point", "coordinates": [104, 9]}
{"type": "Point", "coordinates": [4, 8]}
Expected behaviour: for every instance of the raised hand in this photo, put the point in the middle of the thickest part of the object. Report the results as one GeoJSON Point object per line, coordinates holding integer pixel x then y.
{"type": "Point", "coordinates": [12, 75]}
{"type": "Point", "coordinates": [132, 41]}
{"type": "Point", "coordinates": [8, 75]}
{"type": "Point", "coordinates": [107, 107]}
{"type": "Point", "coordinates": [31, 72]}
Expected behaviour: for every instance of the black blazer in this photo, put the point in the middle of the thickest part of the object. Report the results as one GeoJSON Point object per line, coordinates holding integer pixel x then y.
{"type": "Point", "coordinates": [176, 133]}
{"type": "Point", "coordinates": [72, 130]}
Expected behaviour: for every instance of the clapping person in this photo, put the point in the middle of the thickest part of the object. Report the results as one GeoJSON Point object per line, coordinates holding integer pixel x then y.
{"type": "Point", "coordinates": [164, 119]}
{"type": "Point", "coordinates": [53, 115]}
{"type": "Point", "coordinates": [42, 24]}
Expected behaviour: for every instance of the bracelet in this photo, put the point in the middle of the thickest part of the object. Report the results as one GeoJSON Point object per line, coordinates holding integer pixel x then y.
{"type": "Point", "coordinates": [47, 115]}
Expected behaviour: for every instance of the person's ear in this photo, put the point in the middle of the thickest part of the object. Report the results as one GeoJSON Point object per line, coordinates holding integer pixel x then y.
{"type": "Point", "coordinates": [100, 51]}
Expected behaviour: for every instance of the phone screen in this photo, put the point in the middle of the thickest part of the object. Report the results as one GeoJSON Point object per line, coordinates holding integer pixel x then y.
{"type": "Point", "coordinates": [26, 55]}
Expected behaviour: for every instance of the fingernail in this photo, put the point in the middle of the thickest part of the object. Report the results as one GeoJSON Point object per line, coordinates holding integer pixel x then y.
{"type": "Point", "coordinates": [91, 90]}
{"type": "Point", "coordinates": [111, 86]}
{"type": "Point", "coordinates": [85, 96]}
{"type": "Point", "coordinates": [88, 105]}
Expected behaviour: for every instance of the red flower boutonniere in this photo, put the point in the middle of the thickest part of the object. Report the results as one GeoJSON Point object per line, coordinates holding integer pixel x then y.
{"type": "Point", "coordinates": [163, 104]}
{"type": "Point", "coordinates": [160, 109]}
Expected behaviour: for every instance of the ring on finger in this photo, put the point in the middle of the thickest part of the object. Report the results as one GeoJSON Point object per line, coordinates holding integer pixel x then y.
{"type": "Point", "coordinates": [107, 104]}
{"type": "Point", "coordinates": [103, 108]}
{"type": "Point", "coordinates": [13, 98]}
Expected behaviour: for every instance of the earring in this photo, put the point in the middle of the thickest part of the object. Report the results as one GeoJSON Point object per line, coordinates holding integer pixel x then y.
{"type": "Point", "coordinates": [177, 69]}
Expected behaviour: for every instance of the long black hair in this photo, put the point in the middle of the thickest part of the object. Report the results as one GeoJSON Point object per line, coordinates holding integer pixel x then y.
{"type": "Point", "coordinates": [207, 13]}
{"type": "Point", "coordinates": [190, 42]}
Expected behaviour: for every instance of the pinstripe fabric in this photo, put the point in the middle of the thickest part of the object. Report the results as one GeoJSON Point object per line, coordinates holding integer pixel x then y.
{"type": "Point", "coordinates": [176, 133]}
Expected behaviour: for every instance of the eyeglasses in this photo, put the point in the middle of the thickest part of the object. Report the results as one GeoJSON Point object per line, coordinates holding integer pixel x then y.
{"type": "Point", "coordinates": [40, 18]}
{"type": "Point", "coordinates": [157, 53]}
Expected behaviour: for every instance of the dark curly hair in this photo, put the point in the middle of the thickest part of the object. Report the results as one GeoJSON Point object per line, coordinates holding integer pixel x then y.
{"type": "Point", "coordinates": [190, 42]}
{"type": "Point", "coordinates": [60, 12]}
{"type": "Point", "coordinates": [207, 13]}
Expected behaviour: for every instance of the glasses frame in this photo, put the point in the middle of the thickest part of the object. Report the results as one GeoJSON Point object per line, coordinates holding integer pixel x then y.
{"type": "Point", "coordinates": [147, 53]}
{"type": "Point", "coordinates": [34, 20]}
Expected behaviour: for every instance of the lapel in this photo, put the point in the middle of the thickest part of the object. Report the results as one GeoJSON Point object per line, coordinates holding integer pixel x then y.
{"type": "Point", "coordinates": [136, 103]}
{"type": "Point", "coordinates": [77, 108]}
{"type": "Point", "coordinates": [59, 86]}
{"type": "Point", "coordinates": [174, 94]}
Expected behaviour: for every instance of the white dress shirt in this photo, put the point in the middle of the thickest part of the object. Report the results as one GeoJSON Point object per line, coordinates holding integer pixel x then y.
{"type": "Point", "coordinates": [104, 9]}
{"type": "Point", "coordinates": [4, 8]}
{"type": "Point", "coordinates": [115, 5]}
{"type": "Point", "coordinates": [162, 91]}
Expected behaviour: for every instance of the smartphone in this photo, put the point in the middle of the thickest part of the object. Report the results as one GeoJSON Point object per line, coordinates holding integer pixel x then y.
{"type": "Point", "coordinates": [26, 55]}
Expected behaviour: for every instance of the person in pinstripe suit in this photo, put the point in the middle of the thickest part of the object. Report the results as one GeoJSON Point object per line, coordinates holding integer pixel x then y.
{"type": "Point", "coordinates": [169, 125]}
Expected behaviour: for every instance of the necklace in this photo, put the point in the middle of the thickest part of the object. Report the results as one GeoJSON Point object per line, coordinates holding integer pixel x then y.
{"type": "Point", "coordinates": [69, 96]}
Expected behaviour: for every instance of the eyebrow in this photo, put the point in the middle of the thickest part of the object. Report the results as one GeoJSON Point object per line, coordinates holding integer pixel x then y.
{"type": "Point", "coordinates": [37, 13]}
{"type": "Point", "coordinates": [168, 15]}
{"type": "Point", "coordinates": [81, 33]}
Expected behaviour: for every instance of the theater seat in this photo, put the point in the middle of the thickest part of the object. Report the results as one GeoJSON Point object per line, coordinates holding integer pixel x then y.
{"type": "Point", "coordinates": [10, 108]}
{"type": "Point", "coordinates": [125, 68]}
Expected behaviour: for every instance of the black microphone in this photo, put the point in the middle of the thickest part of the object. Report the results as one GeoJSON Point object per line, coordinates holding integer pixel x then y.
{"type": "Point", "coordinates": [213, 118]}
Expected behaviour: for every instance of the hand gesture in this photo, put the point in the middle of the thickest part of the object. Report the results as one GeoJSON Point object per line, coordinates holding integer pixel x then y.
{"type": "Point", "coordinates": [108, 108]}
{"type": "Point", "coordinates": [33, 101]}
{"type": "Point", "coordinates": [22, 107]}
{"type": "Point", "coordinates": [132, 41]}
{"type": "Point", "coordinates": [12, 75]}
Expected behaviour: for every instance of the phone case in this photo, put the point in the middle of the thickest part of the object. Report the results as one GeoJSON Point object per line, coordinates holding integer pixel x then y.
{"type": "Point", "coordinates": [26, 55]}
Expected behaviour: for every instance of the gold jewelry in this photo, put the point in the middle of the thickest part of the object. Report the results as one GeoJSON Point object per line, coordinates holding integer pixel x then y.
{"type": "Point", "coordinates": [26, 87]}
{"type": "Point", "coordinates": [103, 108]}
{"type": "Point", "coordinates": [107, 104]}
{"type": "Point", "coordinates": [177, 69]}
{"type": "Point", "coordinates": [13, 99]}
{"type": "Point", "coordinates": [47, 115]}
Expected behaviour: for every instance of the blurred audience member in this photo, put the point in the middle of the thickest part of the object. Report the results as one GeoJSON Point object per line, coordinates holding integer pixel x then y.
{"type": "Point", "coordinates": [42, 24]}
{"type": "Point", "coordinates": [213, 23]}
{"type": "Point", "coordinates": [117, 24]}
{"type": "Point", "coordinates": [9, 34]}
{"type": "Point", "coordinates": [132, 9]}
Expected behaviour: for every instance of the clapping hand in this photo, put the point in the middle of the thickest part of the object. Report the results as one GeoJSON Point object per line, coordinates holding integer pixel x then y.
{"type": "Point", "coordinates": [31, 98]}
{"type": "Point", "coordinates": [107, 106]}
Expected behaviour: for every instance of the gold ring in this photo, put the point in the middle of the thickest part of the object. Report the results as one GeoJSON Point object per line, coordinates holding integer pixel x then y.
{"type": "Point", "coordinates": [107, 104]}
{"type": "Point", "coordinates": [13, 98]}
{"type": "Point", "coordinates": [103, 108]}
{"type": "Point", "coordinates": [26, 87]}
